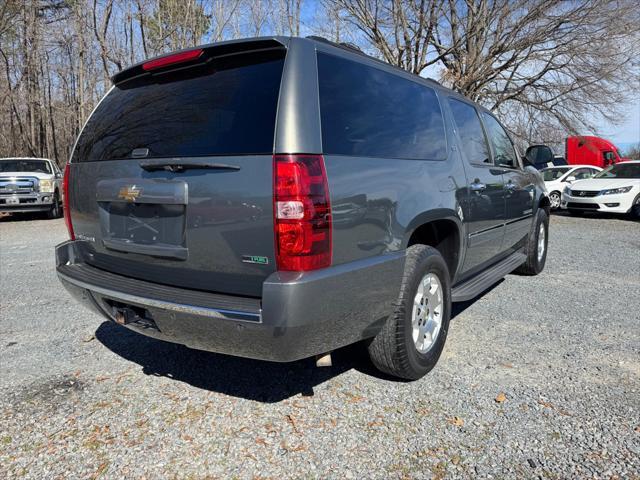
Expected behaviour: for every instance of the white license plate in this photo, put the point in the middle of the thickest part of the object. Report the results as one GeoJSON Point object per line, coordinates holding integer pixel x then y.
{"type": "Point", "coordinates": [13, 201]}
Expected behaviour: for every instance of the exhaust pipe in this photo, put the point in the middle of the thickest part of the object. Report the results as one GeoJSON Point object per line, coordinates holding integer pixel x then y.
{"type": "Point", "coordinates": [323, 360]}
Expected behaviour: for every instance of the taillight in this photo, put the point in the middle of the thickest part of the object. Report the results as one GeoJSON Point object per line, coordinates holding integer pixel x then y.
{"type": "Point", "coordinates": [302, 212]}
{"type": "Point", "coordinates": [65, 201]}
{"type": "Point", "coordinates": [174, 59]}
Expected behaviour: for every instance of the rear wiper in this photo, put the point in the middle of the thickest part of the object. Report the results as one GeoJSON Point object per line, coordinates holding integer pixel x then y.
{"type": "Point", "coordinates": [177, 166]}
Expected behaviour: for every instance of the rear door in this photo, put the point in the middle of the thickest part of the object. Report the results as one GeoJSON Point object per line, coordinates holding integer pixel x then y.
{"type": "Point", "coordinates": [484, 211]}
{"type": "Point", "coordinates": [171, 179]}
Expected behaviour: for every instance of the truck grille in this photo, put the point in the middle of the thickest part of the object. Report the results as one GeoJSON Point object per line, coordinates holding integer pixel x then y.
{"type": "Point", "coordinates": [584, 193]}
{"type": "Point", "coordinates": [18, 186]}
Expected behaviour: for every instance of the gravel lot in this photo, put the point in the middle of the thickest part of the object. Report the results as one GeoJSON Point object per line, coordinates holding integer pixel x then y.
{"type": "Point", "coordinates": [540, 378]}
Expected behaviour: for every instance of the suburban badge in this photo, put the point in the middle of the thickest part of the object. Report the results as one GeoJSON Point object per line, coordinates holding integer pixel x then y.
{"type": "Point", "coordinates": [255, 259]}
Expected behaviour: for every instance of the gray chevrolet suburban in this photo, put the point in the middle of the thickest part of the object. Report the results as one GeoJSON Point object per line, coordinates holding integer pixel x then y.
{"type": "Point", "coordinates": [278, 198]}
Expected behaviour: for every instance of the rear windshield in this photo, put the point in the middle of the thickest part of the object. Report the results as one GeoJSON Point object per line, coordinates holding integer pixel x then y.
{"type": "Point", "coordinates": [368, 112]}
{"type": "Point", "coordinates": [227, 107]}
{"type": "Point", "coordinates": [20, 165]}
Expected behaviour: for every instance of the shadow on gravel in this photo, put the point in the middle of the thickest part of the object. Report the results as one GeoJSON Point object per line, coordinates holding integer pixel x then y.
{"type": "Point", "coordinates": [239, 377]}
{"type": "Point", "coordinates": [22, 217]}
{"type": "Point", "coordinates": [589, 216]}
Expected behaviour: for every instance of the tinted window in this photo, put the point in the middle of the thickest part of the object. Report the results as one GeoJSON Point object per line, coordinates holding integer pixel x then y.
{"type": "Point", "coordinates": [474, 143]}
{"type": "Point", "coordinates": [582, 173]}
{"type": "Point", "coordinates": [550, 174]}
{"type": "Point", "coordinates": [226, 107]}
{"type": "Point", "coordinates": [505, 154]}
{"type": "Point", "coordinates": [621, 170]}
{"type": "Point", "coordinates": [368, 112]}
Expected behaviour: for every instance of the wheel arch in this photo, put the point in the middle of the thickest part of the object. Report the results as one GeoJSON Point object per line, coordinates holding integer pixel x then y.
{"type": "Point", "coordinates": [441, 229]}
{"type": "Point", "coordinates": [545, 203]}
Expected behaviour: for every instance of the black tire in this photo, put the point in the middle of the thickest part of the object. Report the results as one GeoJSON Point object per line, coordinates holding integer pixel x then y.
{"type": "Point", "coordinates": [634, 212]}
{"type": "Point", "coordinates": [552, 196]}
{"type": "Point", "coordinates": [393, 350]}
{"type": "Point", "coordinates": [535, 265]}
{"type": "Point", "coordinates": [56, 208]}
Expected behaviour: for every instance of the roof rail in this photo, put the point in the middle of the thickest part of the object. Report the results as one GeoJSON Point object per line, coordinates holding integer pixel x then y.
{"type": "Point", "coordinates": [345, 45]}
{"type": "Point", "coordinates": [354, 48]}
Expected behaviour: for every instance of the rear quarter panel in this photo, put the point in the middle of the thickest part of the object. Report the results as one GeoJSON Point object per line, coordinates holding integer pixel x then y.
{"type": "Point", "coordinates": [377, 203]}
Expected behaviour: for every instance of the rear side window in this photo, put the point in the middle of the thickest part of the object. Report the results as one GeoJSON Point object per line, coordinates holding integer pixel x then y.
{"type": "Point", "coordinates": [368, 112]}
{"type": "Point", "coordinates": [227, 107]}
{"type": "Point", "coordinates": [474, 142]}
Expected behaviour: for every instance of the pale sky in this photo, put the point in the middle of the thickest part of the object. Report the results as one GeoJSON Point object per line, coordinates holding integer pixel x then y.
{"type": "Point", "coordinates": [628, 131]}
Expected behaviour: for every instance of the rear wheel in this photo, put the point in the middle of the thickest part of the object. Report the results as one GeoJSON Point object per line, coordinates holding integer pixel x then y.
{"type": "Point", "coordinates": [411, 341]}
{"type": "Point", "coordinates": [536, 248]}
{"type": "Point", "coordinates": [56, 208]}
{"type": "Point", "coordinates": [554, 199]}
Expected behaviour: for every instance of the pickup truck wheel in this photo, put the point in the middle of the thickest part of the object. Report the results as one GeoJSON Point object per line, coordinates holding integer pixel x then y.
{"type": "Point", "coordinates": [536, 248]}
{"type": "Point", "coordinates": [56, 209]}
{"type": "Point", "coordinates": [412, 339]}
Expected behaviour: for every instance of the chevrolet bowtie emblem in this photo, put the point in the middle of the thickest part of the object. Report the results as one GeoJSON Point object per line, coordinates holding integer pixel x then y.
{"type": "Point", "coordinates": [129, 193]}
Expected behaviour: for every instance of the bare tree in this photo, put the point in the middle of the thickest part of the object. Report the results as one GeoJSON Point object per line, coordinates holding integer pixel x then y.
{"type": "Point", "coordinates": [549, 67]}
{"type": "Point", "coordinates": [287, 20]}
{"type": "Point", "coordinates": [176, 24]}
{"type": "Point", "coordinates": [562, 65]}
{"type": "Point", "coordinates": [401, 31]}
{"type": "Point", "coordinates": [633, 152]}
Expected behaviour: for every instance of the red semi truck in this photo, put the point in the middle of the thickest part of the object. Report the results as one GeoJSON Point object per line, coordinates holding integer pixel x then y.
{"type": "Point", "coordinates": [588, 150]}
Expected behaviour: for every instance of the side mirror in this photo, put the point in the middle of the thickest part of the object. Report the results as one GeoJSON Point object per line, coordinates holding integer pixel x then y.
{"type": "Point", "coordinates": [539, 156]}
{"type": "Point", "coordinates": [570, 179]}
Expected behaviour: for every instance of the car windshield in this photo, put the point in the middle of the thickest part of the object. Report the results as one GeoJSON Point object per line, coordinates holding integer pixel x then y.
{"type": "Point", "coordinates": [21, 165]}
{"type": "Point", "coordinates": [550, 174]}
{"type": "Point", "coordinates": [621, 170]}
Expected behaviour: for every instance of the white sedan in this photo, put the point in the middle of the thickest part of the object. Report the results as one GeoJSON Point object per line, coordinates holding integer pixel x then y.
{"type": "Point", "coordinates": [556, 178]}
{"type": "Point", "coordinates": [614, 190]}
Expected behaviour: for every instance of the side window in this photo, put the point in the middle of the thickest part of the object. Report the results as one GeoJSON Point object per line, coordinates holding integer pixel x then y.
{"type": "Point", "coordinates": [474, 142]}
{"type": "Point", "coordinates": [582, 173]}
{"type": "Point", "coordinates": [503, 149]}
{"type": "Point", "coordinates": [368, 112]}
{"type": "Point", "coordinates": [609, 158]}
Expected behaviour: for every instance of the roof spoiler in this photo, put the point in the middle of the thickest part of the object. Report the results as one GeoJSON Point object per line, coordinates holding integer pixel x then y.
{"type": "Point", "coordinates": [198, 56]}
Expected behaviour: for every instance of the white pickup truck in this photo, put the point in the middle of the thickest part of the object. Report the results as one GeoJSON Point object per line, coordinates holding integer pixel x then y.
{"type": "Point", "coordinates": [30, 185]}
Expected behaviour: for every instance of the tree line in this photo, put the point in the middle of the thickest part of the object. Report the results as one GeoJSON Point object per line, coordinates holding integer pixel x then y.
{"type": "Point", "coordinates": [548, 67]}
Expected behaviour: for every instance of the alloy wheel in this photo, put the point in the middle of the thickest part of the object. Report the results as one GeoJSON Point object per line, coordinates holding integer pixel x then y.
{"type": "Point", "coordinates": [428, 307]}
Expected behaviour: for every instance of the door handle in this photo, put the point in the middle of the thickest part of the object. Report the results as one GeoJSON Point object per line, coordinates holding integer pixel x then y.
{"type": "Point", "coordinates": [477, 187]}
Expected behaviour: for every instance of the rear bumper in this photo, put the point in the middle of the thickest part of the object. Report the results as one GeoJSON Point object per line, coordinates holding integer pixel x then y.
{"type": "Point", "coordinates": [299, 314]}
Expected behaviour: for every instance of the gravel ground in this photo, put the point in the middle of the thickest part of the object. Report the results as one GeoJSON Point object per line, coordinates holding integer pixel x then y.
{"type": "Point", "coordinates": [540, 378]}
